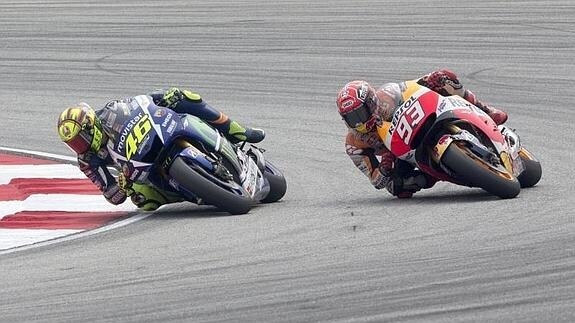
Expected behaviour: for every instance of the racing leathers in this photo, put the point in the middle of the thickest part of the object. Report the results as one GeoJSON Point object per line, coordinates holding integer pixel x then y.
{"type": "Point", "coordinates": [95, 164]}
{"type": "Point", "coordinates": [369, 153]}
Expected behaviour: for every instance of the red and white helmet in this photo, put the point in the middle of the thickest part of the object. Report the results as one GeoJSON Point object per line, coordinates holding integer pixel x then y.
{"type": "Point", "coordinates": [356, 103]}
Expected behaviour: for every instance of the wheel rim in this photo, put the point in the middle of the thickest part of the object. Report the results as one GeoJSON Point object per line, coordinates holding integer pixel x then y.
{"type": "Point", "coordinates": [485, 165]}
{"type": "Point", "coordinates": [526, 154]}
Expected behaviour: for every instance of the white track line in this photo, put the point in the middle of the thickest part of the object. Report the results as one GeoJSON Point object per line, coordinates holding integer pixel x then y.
{"type": "Point", "coordinates": [11, 238]}
{"type": "Point", "coordinates": [63, 202]}
{"type": "Point", "coordinates": [81, 234]}
{"type": "Point", "coordinates": [65, 171]}
{"type": "Point", "coordinates": [39, 153]}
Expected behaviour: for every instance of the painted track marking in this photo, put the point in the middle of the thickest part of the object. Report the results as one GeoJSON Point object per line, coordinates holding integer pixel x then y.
{"type": "Point", "coordinates": [44, 200]}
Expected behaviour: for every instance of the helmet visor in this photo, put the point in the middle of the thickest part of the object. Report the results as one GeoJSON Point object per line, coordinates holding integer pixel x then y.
{"type": "Point", "coordinates": [81, 142]}
{"type": "Point", "coordinates": [357, 118]}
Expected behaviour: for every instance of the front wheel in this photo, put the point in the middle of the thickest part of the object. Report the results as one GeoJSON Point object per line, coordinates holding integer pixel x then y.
{"type": "Point", "coordinates": [229, 197]}
{"type": "Point", "coordinates": [277, 181]}
{"type": "Point", "coordinates": [532, 172]}
{"type": "Point", "coordinates": [476, 172]}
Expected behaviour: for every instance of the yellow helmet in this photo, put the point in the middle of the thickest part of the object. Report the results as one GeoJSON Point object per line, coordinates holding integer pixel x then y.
{"type": "Point", "coordinates": [80, 129]}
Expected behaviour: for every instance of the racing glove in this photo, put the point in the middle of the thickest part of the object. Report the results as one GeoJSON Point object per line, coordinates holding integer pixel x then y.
{"type": "Point", "coordinates": [114, 194]}
{"type": "Point", "coordinates": [444, 82]}
{"type": "Point", "coordinates": [380, 177]}
{"type": "Point", "coordinates": [171, 97]}
{"type": "Point", "coordinates": [125, 184]}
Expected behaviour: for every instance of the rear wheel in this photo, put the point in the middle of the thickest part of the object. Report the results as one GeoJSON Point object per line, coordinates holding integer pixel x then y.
{"type": "Point", "coordinates": [532, 173]}
{"type": "Point", "coordinates": [227, 196]}
{"type": "Point", "coordinates": [278, 185]}
{"type": "Point", "coordinates": [476, 172]}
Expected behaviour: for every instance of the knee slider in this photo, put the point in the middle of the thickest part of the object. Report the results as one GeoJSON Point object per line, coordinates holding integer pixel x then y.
{"type": "Point", "coordinates": [147, 197]}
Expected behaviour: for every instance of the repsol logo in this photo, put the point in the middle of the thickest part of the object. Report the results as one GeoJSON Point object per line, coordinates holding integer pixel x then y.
{"type": "Point", "coordinates": [127, 129]}
{"type": "Point", "coordinates": [399, 113]}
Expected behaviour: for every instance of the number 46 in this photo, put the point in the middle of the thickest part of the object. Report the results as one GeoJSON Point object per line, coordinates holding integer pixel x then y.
{"type": "Point", "coordinates": [137, 135]}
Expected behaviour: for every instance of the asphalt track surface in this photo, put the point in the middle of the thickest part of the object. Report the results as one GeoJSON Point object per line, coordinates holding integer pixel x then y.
{"type": "Point", "coordinates": [334, 249]}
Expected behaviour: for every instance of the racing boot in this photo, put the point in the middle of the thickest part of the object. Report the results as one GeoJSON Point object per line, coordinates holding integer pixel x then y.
{"type": "Point", "coordinates": [238, 133]}
{"type": "Point", "coordinates": [497, 115]}
{"type": "Point", "coordinates": [405, 187]}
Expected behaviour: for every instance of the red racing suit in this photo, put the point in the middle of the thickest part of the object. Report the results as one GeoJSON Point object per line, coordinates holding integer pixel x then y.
{"type": "Point", "coordinates": [368, 152]}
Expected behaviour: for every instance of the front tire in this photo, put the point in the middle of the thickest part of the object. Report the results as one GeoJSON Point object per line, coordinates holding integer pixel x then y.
{"type": "Point", "coordinates": [277, 181]}
{"type": "Point", "coordinates": [208, 190]}
{"type": "Point", "coordinates": [475, 172]}
{"type": "Point", "coordinates": [532, 172]}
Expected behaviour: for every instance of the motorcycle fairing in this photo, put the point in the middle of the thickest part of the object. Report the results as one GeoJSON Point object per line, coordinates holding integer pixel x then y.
{"type": "Point", "coordinates": [424, 110]}
{"type": "Point", "coordinates": [459, 112]}
{"type": "Point", "coordinates": [200, 132]}
{"type": "Point", "coordinates": [152, 137]}
{"type": "Point", "coordinates": [514, 143]}
{"type": "Point", "coordinates": [170, 126]}
{"type": "Point", "coordinates": [409, 118]}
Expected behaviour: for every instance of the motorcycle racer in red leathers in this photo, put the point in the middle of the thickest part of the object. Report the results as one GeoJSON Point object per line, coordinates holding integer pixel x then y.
{"type": "Point", "coordinates": [362, 108]}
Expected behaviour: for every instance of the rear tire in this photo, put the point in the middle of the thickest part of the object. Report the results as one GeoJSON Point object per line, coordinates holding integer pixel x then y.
{"type": "Point", "coordinates": [475, 172]}
{"type": "Point", "coordinates": [208, 190]}
{"type": "Point", "coordinates": [532, 173]}
{"type": "Point", "coordinates": [277, 181]}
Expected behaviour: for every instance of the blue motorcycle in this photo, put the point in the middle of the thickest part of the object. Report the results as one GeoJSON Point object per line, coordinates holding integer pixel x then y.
{"type": "Point", "coordinates": [182, 155]}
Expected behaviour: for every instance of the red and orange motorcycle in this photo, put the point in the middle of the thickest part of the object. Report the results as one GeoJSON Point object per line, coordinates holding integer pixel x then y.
{"type": "Point", "coordinates": [453, 140]}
